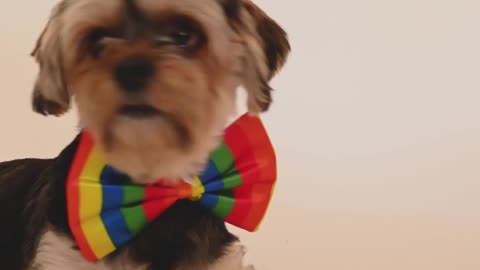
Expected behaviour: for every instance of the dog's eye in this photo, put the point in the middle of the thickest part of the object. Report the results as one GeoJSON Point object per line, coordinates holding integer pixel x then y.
{"type": "Point", "coordinates": [185, 39]}
{"type": "Point", "coordinates": [94, 39]}
{"type": "Point", "coordinates": [181, 34]}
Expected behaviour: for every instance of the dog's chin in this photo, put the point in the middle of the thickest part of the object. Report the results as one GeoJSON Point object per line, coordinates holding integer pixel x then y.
{"type": "Point", "coordinates": [149, 146]}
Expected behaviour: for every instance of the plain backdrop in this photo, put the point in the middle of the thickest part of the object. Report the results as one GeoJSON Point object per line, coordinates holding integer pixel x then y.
{"type": "Point", "coordinates": [375, 123]}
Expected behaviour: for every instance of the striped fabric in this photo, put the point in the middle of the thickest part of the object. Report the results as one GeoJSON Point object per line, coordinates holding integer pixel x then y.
{"type": "Point", "coordinates": [106, 210]}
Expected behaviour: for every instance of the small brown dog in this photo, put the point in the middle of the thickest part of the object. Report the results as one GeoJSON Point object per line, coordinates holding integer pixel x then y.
{"type": "Point", "coordinates": [155, 82]}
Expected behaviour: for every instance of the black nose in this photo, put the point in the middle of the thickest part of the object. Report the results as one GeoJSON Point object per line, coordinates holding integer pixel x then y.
{"type": "Point", "coordinates": [133, 74]}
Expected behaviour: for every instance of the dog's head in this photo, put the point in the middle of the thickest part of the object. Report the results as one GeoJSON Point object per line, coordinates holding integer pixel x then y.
{"type": "Point", "coordinates": [155, 81]}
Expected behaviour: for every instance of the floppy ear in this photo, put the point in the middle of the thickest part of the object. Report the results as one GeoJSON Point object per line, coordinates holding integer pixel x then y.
{"type": "Point", "coordinates": [267, 48]}
{"type": "Point", "coordinates": [50, 95]}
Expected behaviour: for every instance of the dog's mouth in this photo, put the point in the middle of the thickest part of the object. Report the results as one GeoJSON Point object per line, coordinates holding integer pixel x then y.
{"type": "Point", "coordinates": [139, 111]}
{"type": "Point", "coordinates": [147, 112]}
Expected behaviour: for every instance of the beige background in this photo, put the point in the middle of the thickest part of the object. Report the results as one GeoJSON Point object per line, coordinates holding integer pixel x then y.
{"type": "Point", "coordinates": [375, 123]}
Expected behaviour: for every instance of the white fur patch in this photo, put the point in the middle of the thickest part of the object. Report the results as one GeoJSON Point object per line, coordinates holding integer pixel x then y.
{"type": "Point", "coordinates": [55, 252]}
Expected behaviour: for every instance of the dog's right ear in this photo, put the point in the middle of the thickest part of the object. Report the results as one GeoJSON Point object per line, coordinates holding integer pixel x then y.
{"type": "Point", "coordinates": [50, 94]}
{"type": "Point", "coordinates": [266, 48]}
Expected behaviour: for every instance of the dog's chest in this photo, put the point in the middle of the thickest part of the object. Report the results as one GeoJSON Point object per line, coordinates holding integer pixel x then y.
{"type": "Point", "coordinates": [56, 252]}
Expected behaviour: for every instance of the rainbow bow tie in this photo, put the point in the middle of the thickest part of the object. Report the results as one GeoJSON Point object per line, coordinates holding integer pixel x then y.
{"type": "Point", "coordinates": [105, 210]}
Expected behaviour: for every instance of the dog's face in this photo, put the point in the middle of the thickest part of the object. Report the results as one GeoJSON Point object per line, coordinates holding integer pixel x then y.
{"type": "Point", "coordinates": [155, 81]}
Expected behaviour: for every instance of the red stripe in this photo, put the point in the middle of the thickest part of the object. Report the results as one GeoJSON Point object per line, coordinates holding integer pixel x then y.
{"type": "Point", "coordinates": [153, 209]}
{"type": "Point", "coordinates": [260, 202]}
{"type": "Point", "coordinates": [73, 195]}
{"type": "Point", "coordinates": [245, 163]}
{"type": "Point", "coordinates": [260, 177]}
{"type": "Point", "coordinates": [159, 198]}
{"type": "Point", "coordinates": [263, 189]}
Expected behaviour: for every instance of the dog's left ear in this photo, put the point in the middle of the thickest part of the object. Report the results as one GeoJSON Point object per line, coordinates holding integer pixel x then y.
{"type": "Point", "coordinates": [50, 95]}
{"type": "Point", "coordinates": [266, 49]}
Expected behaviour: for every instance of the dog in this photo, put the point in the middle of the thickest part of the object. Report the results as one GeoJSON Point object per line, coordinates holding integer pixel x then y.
{"type": "Point", "coordinates": [155, 82]}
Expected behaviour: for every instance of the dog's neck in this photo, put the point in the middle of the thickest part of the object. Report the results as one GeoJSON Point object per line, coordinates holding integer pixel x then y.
{"type": "Point", "coordinates": [57, 212]}
{"type": "Point", "coordinates": [47, 211]}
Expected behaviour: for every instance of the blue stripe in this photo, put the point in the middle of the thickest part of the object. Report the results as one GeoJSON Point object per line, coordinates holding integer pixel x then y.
{"type": "Point", "coordinates": [112, 195]}
{"type": "Point", "coordinates": [110, 176]}
{"type": "Point", "coordinates": [210, 173]}
{"type": "Point", "coordinates": [214, 186]}
{"type": "Point", "coordinates": [111, 215]}
{"type": "Point", "coordinates": [209, 201]}
{"type": "Point", "coordinates": [116, 227]}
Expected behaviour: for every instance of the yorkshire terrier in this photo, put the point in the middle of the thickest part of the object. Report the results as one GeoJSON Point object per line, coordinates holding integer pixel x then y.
{"type": "Point", "coordinates": [155, 82]}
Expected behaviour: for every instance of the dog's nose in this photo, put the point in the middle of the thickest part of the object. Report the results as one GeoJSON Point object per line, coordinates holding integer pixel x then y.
{"type": "Point", "coordinates": [133, 74]}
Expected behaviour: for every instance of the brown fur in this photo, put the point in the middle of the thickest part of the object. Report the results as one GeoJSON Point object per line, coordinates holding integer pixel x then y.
{"type": "Point", "coordinates": [191, 89]}
{"type": "Point", "coordinates": [195, 92]}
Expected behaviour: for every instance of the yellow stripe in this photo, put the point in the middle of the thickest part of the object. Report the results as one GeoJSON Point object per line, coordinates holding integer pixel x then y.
{"type": "Point", "coordinates": [198, 189]}
{"type": "Point", "coordinates": [91, 201]}
{"type": "Point", "coordinates": [91, 206]}
{"type": "Point", "coordinates": [97, 237]}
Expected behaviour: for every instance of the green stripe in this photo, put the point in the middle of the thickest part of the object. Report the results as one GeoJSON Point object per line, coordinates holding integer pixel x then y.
{"type": "Point", "coordinates": [134, 218]}
{"type": "Point", "coordinates": [223, 159]}
{"type": "Point", "coordinates": [233, 180]}
{"type": "Point", "coordinates": [224, 162]}
{"type": "Point", "coordinates": [133, 195]}
{"type": "Point", "coordinates": [133, 215]}
{"type": "Point", "coordinates": [224, 207]}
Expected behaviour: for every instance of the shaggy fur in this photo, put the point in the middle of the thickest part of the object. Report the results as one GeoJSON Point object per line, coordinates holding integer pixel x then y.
{"type": "Point", "coordinates": [155, 83]}
{"type": "Point", "coordinates": [32, 196]}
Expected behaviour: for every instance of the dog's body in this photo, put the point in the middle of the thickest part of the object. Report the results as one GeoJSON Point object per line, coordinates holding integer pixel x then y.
{"type": "Point", "coordinates": [35, 233]}
{"type": "Point", "coordinates": [155, 83]}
